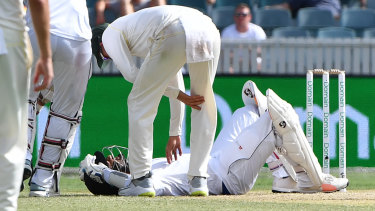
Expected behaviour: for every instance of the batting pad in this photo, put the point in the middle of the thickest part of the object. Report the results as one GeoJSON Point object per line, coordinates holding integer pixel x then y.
{"type": "Point", "coordinates": [286, 123]}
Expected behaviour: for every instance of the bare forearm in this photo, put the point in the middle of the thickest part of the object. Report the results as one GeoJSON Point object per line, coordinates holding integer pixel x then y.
{"type": "Point", "coordinates": [363, 3]}
{"type": "Point", "coordinates": [40, 16]}
{"type": "Point", "coordinates": [127, 7]}
{"type": "Point", "coordinates": [211, 1]}
{"type": "Point", "coordinates": [157, 3]}
{"type": "Point", "coordinates": [43, 68]}
{"type": "Point", "coordinates": [100, 6]}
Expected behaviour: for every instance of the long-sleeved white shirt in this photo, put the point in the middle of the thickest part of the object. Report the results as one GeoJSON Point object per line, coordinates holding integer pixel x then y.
{"type": "Point", "coordinates": [132, 35]}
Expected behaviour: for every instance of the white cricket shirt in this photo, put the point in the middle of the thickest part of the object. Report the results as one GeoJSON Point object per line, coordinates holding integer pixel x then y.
{"type": "Point", "coordinates": [11, 15]}
{"type": "Point", "coordinates": [255, 32]}
{"type": "Point", "coordinates": [69, 19]}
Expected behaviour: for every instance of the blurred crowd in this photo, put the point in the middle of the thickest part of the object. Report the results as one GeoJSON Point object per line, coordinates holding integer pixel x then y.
{"type": "Point", "coordinates": [252, 19]}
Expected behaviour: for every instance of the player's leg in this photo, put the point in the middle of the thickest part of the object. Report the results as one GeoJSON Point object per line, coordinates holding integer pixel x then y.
{"type": "Point", "coordinates": [283, 172]}
{"type": "Point", "coordinates": [284, 175]}
{"type": "Point", "coordinates": [35, 102]}
{"type": "Point", "coordinates": [239, 164]}
{"type": "Point", "coordinates": [203, 122]}
{"type": "Point", "coordinates": [294, 144]}
{"type": "Point", "coordinates": [14, 82]}
{"type": "Point", "coordinates": [32, 110]}
{"type": "Point", "coordinates": [72, 68]}
{"type": "Point", "coordinates": [167, 55]}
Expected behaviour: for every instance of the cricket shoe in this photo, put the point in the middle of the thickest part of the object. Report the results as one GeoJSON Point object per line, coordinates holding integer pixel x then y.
{"type": "Point", "coordinates": [198, 186]}
{"type": "Point", "coordinates": [40, 191]}
{"type": "Point", "coordinates": [142, 186]}
{"type": "Point", "coordinates": [329, 184]}
{"type": "Point", "coordinates": [284, 185]}
{"type": "Point", "coordinates": [333, 184]}
{"type": "Point", "coordinates": [27, 171]}
{"type": "Point", "coordinates": [252, 96]}
{"type": "Point", "coordinates": [288, 185]}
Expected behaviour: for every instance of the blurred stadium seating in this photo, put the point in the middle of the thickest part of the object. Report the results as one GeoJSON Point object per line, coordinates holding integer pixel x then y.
{"type": "Point", "coordinates": [369, 33]}
{"type": "Point", "coordinates": [223, 16]}
{"type": "Point", "coordinates": [264, 3]}
{"type": "Point", "coordinates": [295, 44]}
{"type": "Point", "coordinates": [358, 19]}
{"type": "Point", "coordinates": [312, 19]}
{"type": "Point", "coordinates": [221, 3]}
{"type": "Point", "coordinates": [370, 4]}
{"type": "Point", "coordinates": [197, 4]}
{"type": "Point", "coordinates": [270, 19]}
{"type": "Point", "coordinates": [290, 31]}
{"type": "Point", "coordinates": [335, 32]}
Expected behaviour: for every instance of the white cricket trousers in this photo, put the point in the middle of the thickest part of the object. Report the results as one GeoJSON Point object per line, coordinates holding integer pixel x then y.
{"type": "Point", "coordinates": [14, 85]}
{"type": "Point", "coordinates": [72, 70]}
{"type": "Point", "coordinates": [236, 164]}
{"type": "Point", "coordinates": [166, 56]}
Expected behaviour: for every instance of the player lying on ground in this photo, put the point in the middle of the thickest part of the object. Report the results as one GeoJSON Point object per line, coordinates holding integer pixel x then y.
{"type": "Point", "coordinates": [235, 162]}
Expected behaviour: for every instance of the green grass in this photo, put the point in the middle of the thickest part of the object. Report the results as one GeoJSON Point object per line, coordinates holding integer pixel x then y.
{"type": "Point", "coordinates": [360, 195]}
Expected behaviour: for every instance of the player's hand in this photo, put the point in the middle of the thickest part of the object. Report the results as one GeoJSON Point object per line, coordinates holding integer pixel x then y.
{"type": "Point", "coordinates": [110, 160]}
{"type": "Point", "coordinates": [174, 145]}
{"type": "Point", "coordinates": [43, 74]}
{"type": "Point", "coordinates": [192, 101]}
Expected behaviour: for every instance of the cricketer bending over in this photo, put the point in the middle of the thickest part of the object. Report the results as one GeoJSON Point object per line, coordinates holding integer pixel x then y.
{"type": "Point", "coordinates": [236, 158]}
{"type": "Point", "coordinates": [166, 37]}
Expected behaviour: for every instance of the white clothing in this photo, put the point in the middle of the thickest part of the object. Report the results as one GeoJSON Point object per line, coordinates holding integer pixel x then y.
{"type": "Point", "coordinates": [234, 162]}
{"type": "Point", "coordinates": [241, 118]}
{"type": "Point", "coordinates": [167, 37]}
{"type": "Point", "coordinates": [15, 63]}
{"type": "Point", "coordinates": [234, 159]}
{"type": "Point", "coordinates": [11, 15]}
{"type": "Point", "coordinates": [71, 50]}
{"type": "Point", "coordinates": [134, 34]}
{"type": "Point", "coordinates": [69, 19]}
{"type": "Point", "coordinates": [234, 156]}
{"type": "Point", "coordinates": [72, 70]}
{"type": "Point", "coordinates": [255, 32]}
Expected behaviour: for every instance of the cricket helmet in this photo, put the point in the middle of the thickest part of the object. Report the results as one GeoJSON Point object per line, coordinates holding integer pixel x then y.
{"type": "Point", "coordinates": [119, 164]}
